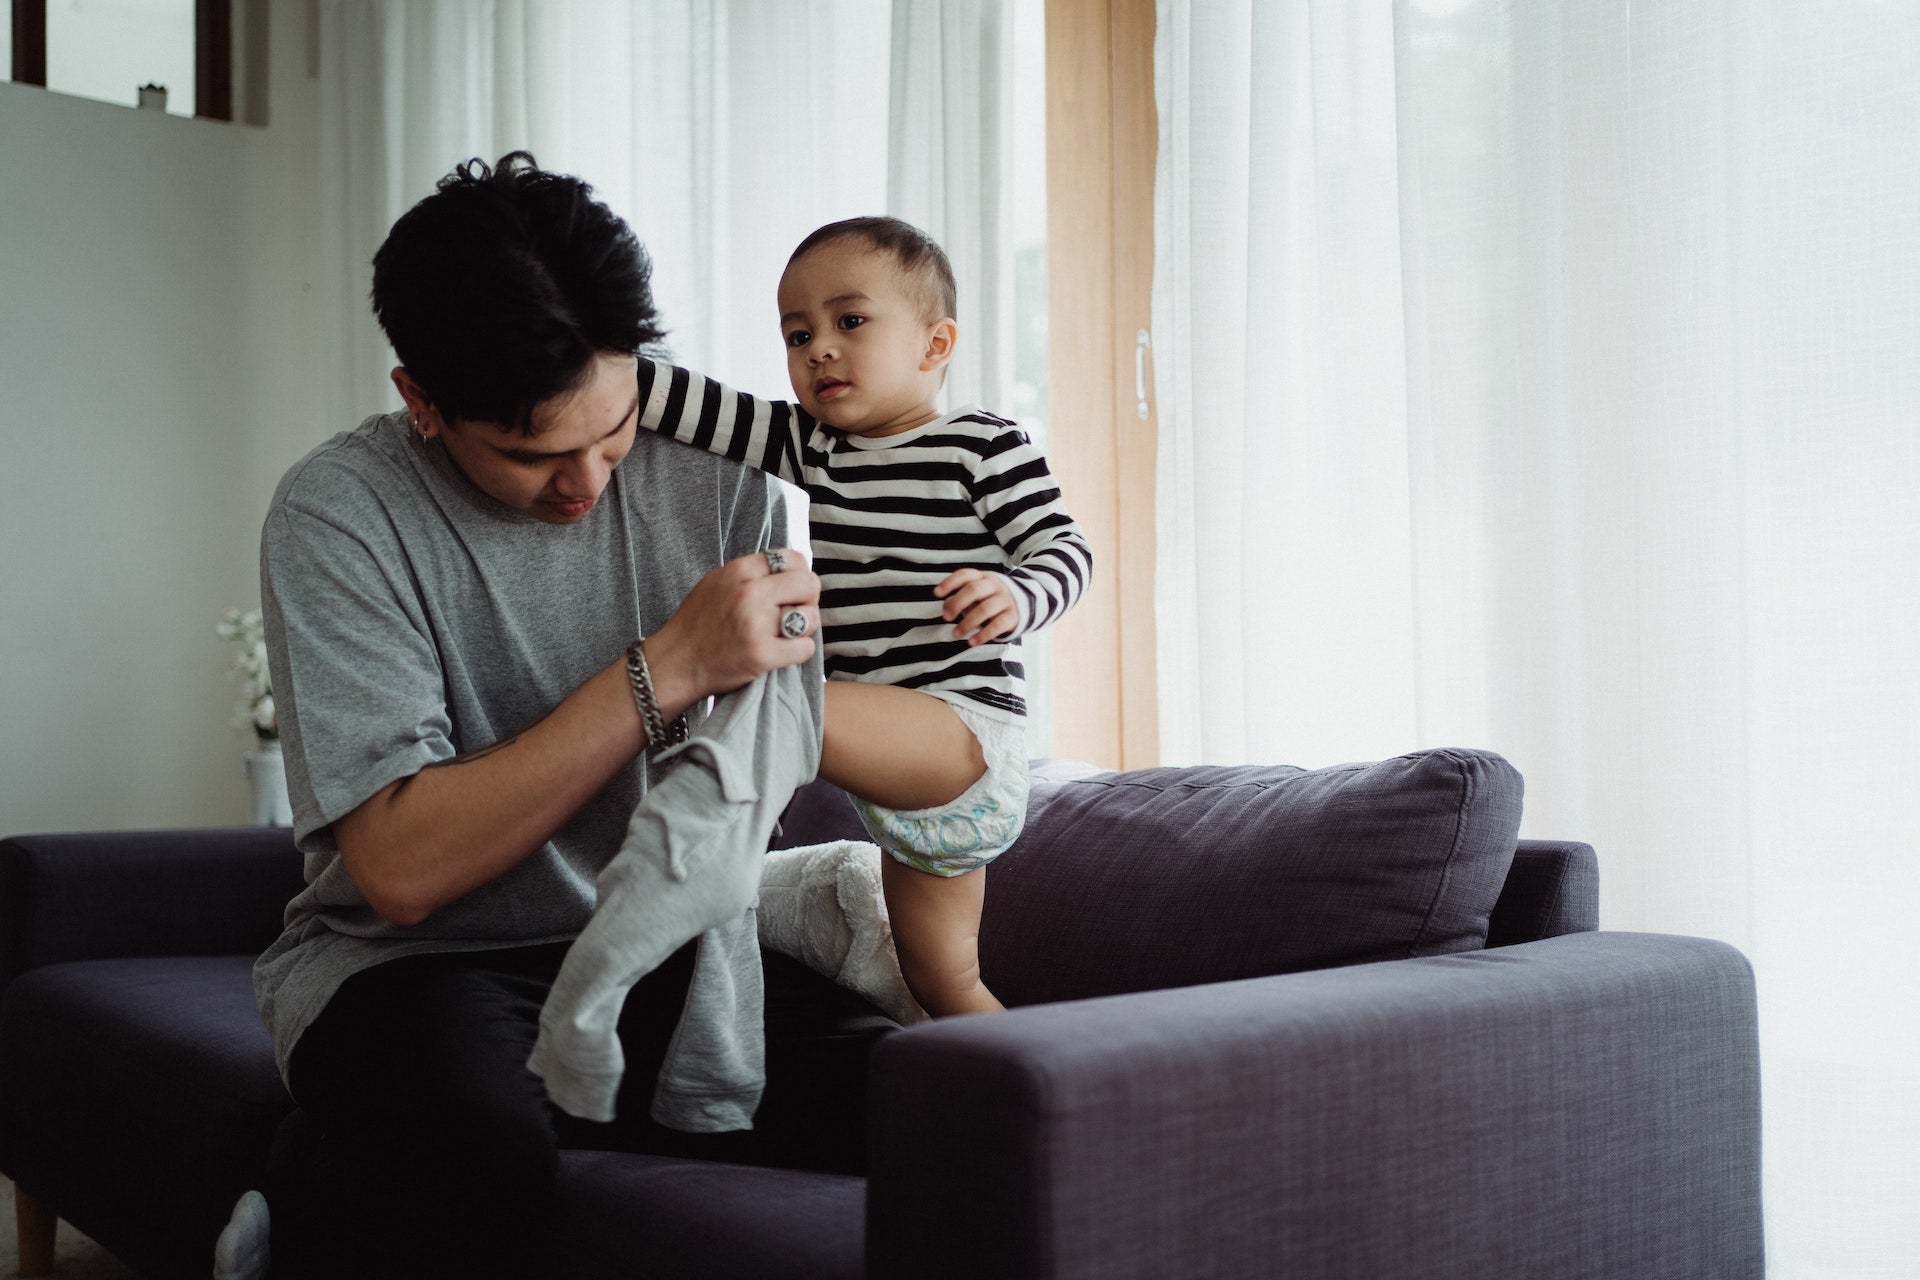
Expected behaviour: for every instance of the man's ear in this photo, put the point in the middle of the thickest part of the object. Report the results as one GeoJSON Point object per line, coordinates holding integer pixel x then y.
{"type": "Point", "coordinates": [424, 418]}
{"type": "Point", "coordinates": [941, 335]}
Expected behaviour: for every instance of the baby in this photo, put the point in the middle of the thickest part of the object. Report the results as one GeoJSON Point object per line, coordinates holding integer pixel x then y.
{"type": "Point", "coordinates": [939, 539]}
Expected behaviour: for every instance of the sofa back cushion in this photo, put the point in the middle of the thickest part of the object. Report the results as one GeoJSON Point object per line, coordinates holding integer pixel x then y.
{"type": "Point", "coordinates": [1168, 877]}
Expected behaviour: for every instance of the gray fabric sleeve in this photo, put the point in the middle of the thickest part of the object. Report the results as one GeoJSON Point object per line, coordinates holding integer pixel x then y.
{"type": "Point", "coordinates": [350, 654]}
{"type": "Point", "coordinates": [1584, 1105]}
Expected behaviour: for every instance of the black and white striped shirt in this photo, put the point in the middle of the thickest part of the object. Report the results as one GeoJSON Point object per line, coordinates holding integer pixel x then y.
{"type": "Point", "coordinates": [892, 516]}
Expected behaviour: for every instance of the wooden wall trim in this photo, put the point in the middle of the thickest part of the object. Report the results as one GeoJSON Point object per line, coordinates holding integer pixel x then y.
{"type": "Point", "coordinates": [1101, 142]}
{"type": "Point", "coordinates": [213, 59]}
{"type": "Point", "coordinates": [1136, 146]}
{"type": "Point", "coordinates": [30, 42]}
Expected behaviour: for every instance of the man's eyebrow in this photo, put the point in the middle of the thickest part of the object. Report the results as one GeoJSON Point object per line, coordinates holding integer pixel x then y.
{"type": "Point", "coordinates": [834, 301]}
{"type": "Point", "coordinates": [530, 455]}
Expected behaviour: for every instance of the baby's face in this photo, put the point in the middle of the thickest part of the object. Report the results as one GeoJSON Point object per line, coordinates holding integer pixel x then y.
{"type": "Point", "coordinates": [860, 352]}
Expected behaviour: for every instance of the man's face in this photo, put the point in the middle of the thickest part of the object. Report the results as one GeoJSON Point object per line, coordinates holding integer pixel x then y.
{"type": "Point", "coordinates": [558, 473]}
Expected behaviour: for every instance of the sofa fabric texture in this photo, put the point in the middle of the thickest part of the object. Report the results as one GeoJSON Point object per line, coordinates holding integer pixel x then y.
{"type": "Point", "coordinates": [1552, 889]}
{"type": "Point", "coordinates": [1353, 1088]}
{"type": "Point", "coordinates": [136, 1098]}
{"type": "Point", "coordinates": [1172, 877]}
{"type": "Point", "coordinates": [634, 1215]}
{"type": "Point", "coordinates": [1352, 1122]}
{"type": "Point", "coordinates": [91, 895]}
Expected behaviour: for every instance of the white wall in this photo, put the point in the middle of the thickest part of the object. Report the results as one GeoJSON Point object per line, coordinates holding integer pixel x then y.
{"type": "Point", "coordinates": [157, 374]}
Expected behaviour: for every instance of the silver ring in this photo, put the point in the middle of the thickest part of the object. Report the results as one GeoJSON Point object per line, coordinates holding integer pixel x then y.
{"type": "Point", "coordinates": [793, 624]}
{"type": "Point", "coordinates": [776, 560]}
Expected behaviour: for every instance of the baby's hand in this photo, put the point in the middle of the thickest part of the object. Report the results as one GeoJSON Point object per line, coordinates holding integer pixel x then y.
{"type": "Point", "coordinates": [980, 605]}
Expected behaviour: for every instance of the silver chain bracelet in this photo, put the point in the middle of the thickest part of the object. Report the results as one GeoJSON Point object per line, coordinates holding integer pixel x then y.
{"type": "Point", "coordinates": [659, 735]}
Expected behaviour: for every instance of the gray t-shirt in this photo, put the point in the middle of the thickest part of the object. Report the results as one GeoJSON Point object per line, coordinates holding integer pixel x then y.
{"type": "Point", "coordinates": [411, 618]}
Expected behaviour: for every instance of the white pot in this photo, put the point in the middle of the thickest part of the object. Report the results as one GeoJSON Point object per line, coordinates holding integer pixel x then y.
{"type": "Point", "coordinates": [266, 774]}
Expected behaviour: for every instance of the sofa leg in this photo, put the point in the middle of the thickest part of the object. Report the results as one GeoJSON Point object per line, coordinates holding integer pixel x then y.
{"type": "Point", "coordinates": [37, 1224]}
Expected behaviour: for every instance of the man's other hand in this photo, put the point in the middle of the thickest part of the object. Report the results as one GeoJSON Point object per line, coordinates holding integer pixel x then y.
{"type": "Point", "coordinates": [727, 632]}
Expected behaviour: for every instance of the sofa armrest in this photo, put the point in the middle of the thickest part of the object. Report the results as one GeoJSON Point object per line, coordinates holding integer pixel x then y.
{"type": "Point", "coordinates": [96, 895]}
{"type": "Point", "coordinates": [1553, 887]}
{"type": "Point", "coordinates": [1586, 1105]}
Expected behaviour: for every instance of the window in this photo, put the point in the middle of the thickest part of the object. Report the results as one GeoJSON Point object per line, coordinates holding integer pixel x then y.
{"type": "Point", "coordinates": [111, 49]}
{"type": "Point", "coordinates": [108, 49]}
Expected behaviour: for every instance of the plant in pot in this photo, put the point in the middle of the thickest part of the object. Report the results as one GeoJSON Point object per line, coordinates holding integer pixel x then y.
{"type": "Point", "coordinates": [263, 767]}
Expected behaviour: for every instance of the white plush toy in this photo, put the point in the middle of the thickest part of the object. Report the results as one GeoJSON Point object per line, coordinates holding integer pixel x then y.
{"type": "Point", "coordinates": [822, 905]}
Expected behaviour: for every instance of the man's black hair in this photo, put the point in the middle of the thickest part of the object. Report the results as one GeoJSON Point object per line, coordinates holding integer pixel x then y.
{"type": "Point", "coordinates": [918, 254]}
{"type": "Point", "coordinates": [499, 289]}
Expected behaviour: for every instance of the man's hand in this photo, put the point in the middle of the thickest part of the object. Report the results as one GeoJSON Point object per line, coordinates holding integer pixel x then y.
{"type": "Point", "coordinates": [726, 633]}
{"type": "Point", "coordinates": [980, 605]}
{"type": "Point", "coordinates": [423, 841]}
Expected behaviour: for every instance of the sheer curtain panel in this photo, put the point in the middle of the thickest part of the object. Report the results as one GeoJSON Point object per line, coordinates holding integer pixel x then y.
{"type": "Point", "coordinates": [723, 130]}
{"type": "Point", "coordinates": [1543, 377]}
{"type": "Point", "coordinates": [949, 155]}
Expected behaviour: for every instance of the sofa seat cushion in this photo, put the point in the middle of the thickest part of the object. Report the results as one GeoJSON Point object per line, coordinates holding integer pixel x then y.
{"type": "Point", "coordinates": [633, 1215]}
{"type": "Point", "coordinates": [143, 1094]}
{"type": "Point", "coordinates": [139, 1091]}
{"type": "Point", "coordinates": [1170, 877]}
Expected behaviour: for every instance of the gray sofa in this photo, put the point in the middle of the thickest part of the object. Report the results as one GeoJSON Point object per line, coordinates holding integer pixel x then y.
{"type": "Point", "coordinates": [1269, 1022]}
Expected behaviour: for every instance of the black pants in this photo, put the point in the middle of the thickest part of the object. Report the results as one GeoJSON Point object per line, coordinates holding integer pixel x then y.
{"type": "Point", "coordinates": [424, 1147]}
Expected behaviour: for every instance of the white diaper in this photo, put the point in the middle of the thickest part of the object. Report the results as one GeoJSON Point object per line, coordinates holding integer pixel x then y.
{"type": "Point", "coordinates": [982, 823]}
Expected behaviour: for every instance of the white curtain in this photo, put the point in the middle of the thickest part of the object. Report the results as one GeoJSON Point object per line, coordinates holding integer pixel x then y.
{"type": "Point", "coordinates": [949, 153]}
{"type": "Point", "coordinates": [1544, 377]}
{"type": "Point", "coordinates": [723, 130]}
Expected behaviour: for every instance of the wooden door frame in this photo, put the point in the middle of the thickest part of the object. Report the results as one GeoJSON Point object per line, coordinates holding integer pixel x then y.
{"type": "Point", "coordinates": [1102, 138]}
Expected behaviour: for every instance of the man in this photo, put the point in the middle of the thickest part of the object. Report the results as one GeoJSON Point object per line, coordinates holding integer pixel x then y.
{"type": "Point", "coordinates": [475, 609]}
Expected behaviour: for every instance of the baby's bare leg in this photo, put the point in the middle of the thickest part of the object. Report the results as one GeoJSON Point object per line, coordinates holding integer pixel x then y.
{"type": "Point", "coordinates": [897, 748]}
{"type": "Point", "coordinates": [936, 930]}
{"type": "Point", "coordinates": [902, 749]}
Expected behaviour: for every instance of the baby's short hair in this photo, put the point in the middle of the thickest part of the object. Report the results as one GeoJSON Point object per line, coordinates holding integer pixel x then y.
{"type": "Point", "coordinates": [916, 252]}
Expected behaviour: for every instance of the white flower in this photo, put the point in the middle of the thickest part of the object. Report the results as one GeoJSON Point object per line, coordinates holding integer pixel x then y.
{"type": "Point", "coordinates": [256, 699]}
